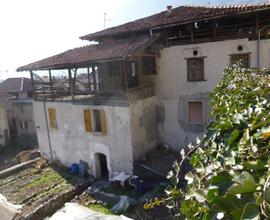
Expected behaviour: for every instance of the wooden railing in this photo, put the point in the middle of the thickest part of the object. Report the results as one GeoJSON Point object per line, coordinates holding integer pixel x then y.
{"type": "Point", "coordinates": [141, 92]}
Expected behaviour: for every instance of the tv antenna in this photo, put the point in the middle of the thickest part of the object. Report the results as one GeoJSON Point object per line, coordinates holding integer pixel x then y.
{"type": "Point", "coordinates": [106, 19]}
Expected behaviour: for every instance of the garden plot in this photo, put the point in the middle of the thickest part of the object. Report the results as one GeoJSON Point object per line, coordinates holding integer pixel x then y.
{"type": "Point", "coordinates": [41, 191]}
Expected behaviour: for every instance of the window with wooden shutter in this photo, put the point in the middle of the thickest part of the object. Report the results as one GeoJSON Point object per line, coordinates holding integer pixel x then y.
{"type": "Point", "coordinates": [99, 121]}
{"type": "Point", "coordinates": [195, 69]}
{"type": "Point", "coordinates": [87, 120]}
{"type": "Point", "coordinates": [52, 118]}
{"type": "Point", "coordinates": [195, 112]}
{"type": "Point", "coordinates": [103, 122]}
{"type": "Point", "coordinates": [242, 59]}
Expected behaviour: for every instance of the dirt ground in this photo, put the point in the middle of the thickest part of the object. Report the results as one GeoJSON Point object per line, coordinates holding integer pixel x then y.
{"type": "Point", "coordinates": [33, 186]}
{"type": "Point", "coordinates": [160, 160]}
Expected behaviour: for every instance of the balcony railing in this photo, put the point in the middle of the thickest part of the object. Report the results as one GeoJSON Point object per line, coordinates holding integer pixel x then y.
{"type": "Point", "coordinates": [141, 92]}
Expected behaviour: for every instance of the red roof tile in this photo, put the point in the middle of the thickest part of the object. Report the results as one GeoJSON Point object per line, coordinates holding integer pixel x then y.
{"type": "Point", "coordinates": [115, 49]}
{"type": "Point", "coordinates": [182, 14]}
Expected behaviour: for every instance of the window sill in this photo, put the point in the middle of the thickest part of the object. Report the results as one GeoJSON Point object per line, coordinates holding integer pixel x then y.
{"type": "Point", "coordinates": [191, 81]}
{"type": "Point", "coordinates": [97, 133]}
{"type": "Point", "coordinates": [189, 123]}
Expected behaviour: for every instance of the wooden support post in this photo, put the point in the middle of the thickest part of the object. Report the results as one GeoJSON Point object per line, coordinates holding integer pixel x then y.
{"type": "Point", "coordinates": [257, 28]}
{"type": "Point", "coordinates": [191, 35]}
{"type": "Point", "coordinates": [51, 84]}
{"type": "Point", "coordinates": [125, 76]}
{"type": "Point", "coordinates": [33, 84]}
{"type": "Point", "coordinates": [71, 84]}
{"type": "Point", "coordinates": [88, 76]}
{"type": "Point", "coordinates": [214, 30]}
{"type": "Point", "coordinates": [94, 77]}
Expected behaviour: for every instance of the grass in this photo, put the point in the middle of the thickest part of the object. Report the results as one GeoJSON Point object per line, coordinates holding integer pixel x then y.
{"type": "Point", "coordinates": [100, 208]}
{"type": "Point", "coordinates": [46, 178]}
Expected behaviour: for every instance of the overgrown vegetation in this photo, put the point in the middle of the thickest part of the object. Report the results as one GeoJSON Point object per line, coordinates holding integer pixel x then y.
{"type": "Point", "coordinates": [231, 165]}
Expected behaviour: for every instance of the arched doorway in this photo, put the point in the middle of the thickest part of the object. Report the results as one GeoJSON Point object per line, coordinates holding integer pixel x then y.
{"type": "Point", "coordinates": [101, 166]}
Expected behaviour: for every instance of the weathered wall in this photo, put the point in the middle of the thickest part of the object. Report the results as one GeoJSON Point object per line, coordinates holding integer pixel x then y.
{"type": "Point", "coordinates": [70, 142]}
{"type": "Point", "coordinates": [144, 129]}
{"type": "Point", "coordinates": [174, 91]}
{"type": "Point", "coordinates": [23, 113]}
{"type": "Point", "coordinates": [4, 130]}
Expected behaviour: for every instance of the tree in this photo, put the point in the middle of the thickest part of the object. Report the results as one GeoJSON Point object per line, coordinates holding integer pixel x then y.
{"type": "Point", "coordinates": [231, 164]}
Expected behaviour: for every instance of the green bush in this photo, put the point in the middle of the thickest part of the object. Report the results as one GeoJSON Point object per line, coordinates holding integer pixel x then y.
{"type": "Point", "coordinates": [231, 164]}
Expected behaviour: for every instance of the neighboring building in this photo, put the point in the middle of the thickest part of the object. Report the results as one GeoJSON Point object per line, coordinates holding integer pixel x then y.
{"type": "Point", "coordinates": [145, 83]}
{"type": "Point", "coordinates": [4, 128]}
{"type": "Point", "coordinates": [19, 109]}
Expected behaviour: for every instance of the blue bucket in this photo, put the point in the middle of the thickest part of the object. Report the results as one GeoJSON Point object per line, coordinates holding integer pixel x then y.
{"type": "Point", "coordinates": [74, 168]}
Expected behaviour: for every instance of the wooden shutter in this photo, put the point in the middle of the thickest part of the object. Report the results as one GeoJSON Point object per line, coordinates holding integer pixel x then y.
{"type": "Point", "coordinates": [195, 112]}
{"type": "Point", "coordinates": [195, 69]}
{"type": "Point", "coordinates": [242, 59]}
{"type": "Point", "coordinates": [103, 122]}
{"type": "Point", "coordinates": [52, 117]}
{"type": "Point", "coordinates": [87, 120]}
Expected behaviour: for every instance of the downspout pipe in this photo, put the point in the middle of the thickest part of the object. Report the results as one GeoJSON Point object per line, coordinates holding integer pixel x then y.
{"type": "Point", "coordinates": [259, 44]}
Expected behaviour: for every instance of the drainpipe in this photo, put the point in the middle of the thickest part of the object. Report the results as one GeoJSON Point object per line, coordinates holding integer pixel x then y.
{"type": "Point", "coordinates": [45, 113]}
{"type": "Point", "coordinates": [259, 43]}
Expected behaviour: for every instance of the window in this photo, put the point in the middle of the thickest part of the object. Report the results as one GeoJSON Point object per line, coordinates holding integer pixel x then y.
{"type": "Point", "coordinates": [149, 65]}
{"type": "Point", "coordinates": [115, 68]}
{"type": "Point", "coordinates": [242, 59]}
{"type": "Point", "coordinates": [195, 112]}
{"type": "Point", "coordinates": [98, 124]}
{"type": "Point", "coordinates": [25, 125]}
{"type": "Point", "coordinates": [87, 120]}
{"type": "Point", "coordinates": [52, 118]}
{"type": "Point", "coordinates": [21, 124]}
{"type": "Point", "coordinates": [195, 69]}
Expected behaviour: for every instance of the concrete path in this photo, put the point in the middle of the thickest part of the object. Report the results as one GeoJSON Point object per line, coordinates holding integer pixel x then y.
{"type": "Point", "coordinates": [74, 211]}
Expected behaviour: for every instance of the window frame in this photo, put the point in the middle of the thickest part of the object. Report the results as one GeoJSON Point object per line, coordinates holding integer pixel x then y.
{"type": "Point", "coordinates": [203, 68]}
{"type": "Point", "coordinates": [54, 124]}
{"type": "Point", "coordinates": [240, 54]}
{"type": "Point", "coordinates": [188, 112]}
{"type": "Point", "coordinates": [154, 69]}
{"type": "Point", "coordinates": [92, 120]}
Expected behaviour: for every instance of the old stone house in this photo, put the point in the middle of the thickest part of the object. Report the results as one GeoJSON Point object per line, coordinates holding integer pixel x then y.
{"type": "Point", "coordinates": [146, 83]}
{"type": "Point", "coordinates": [4, 127]}
{"type": "Point", "coordinates": [19, 108]}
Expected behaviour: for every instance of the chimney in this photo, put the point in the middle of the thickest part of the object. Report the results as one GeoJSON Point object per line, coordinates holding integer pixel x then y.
{"type": "Point", "coordinates": [169, 9]}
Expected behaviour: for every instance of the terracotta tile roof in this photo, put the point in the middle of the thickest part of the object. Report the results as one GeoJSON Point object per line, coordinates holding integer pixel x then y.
{"type": "Point", "coordinates": [182, 14]}
{"type": "Point", "coordinates": [114, 49]}
{"type": "Point", "coordinates": [12, 85]}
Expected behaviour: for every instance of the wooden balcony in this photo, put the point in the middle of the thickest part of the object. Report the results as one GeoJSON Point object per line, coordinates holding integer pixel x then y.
{"type": "Point", "coordinates": [141, 92]}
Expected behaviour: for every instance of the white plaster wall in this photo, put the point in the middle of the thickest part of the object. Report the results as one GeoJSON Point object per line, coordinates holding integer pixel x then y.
{"type": "Point", "coordinates": [172, 86]}
{"type": "Point", "coordinates": [144, 129]}
{"type": "Point", "coordinates": [70, 142]}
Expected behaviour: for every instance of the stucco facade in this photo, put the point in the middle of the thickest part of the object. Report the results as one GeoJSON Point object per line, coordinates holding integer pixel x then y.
{"type": "Point", "coordinates": [128, 135]}
{"type": "Point", "coordinates": [174, 91]}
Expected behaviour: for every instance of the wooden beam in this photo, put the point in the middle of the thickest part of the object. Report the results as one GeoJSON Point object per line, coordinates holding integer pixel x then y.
{"type": "Point", "coordinates": [191, 35]}
{"type": "Point", "coordinates": [71, 84]}
{"type": "Point", "coordinates": [33, 84]}
{"type": "Point", "coordinates": [257, 28]}
{"type": "Point", "coordinates": [215, 30]}
{"type": "Point", "coordinates": [51, 84]}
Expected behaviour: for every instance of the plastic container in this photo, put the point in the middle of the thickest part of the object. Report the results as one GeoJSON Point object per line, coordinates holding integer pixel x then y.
{"type": "Point", "coordinates": [74, 169]}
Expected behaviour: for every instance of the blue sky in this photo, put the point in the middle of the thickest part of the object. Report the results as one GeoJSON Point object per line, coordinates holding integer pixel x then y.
{"type": "Point", "coordinates": [35, 29]}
